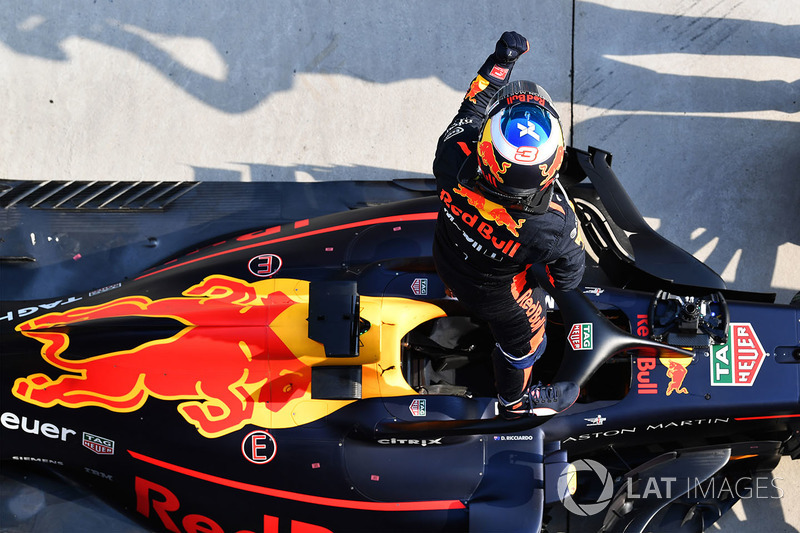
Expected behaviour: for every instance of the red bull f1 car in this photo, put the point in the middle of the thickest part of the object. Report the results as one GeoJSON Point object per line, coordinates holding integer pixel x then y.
{"type": "Point", "coordinates": [306, 371]}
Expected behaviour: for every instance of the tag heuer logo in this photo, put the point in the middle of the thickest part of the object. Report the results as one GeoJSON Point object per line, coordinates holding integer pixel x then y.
{"type": "Point", "coordinates": [420, 286]}
{"type": "Point", "coordinates": [418, 408]}
{"type": "Point", "coordinates": [98, 445]}
{"type": "Point", "coordinates": [737, 362]}
{"type": "Point", "coordinates": [580, 336]}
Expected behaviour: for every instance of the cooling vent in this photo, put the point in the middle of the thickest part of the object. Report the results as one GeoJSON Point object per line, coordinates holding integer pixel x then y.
{"type": "Point", "coordinates": [102, 195]}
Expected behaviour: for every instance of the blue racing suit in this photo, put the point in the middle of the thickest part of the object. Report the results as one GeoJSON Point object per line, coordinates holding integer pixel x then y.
{"type": "Point", "coordinates": [483, 250]}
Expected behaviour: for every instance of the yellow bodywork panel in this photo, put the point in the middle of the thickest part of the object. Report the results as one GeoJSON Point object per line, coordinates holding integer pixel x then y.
{"type": "Point", "coordinates": [379, 349]}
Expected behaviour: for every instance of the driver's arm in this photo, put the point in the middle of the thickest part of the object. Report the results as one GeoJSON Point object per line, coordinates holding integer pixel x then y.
{"type": "Point", "coordinates": [463, 129]}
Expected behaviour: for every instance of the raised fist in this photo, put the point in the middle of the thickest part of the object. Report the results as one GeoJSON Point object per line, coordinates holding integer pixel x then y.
{"type": "Point", "coordinates": [510, 46]}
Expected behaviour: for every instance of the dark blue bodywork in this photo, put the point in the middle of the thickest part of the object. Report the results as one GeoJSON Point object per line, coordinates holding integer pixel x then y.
{"type": "Point", "coordinates": [648, 405]}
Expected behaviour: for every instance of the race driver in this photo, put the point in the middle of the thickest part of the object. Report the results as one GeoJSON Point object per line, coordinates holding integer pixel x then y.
{"type": "Point", "coordinates": [495, 167]}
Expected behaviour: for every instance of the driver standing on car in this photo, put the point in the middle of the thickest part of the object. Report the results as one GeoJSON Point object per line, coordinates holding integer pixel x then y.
{"type": "Point", "coordinates": [495, 167]}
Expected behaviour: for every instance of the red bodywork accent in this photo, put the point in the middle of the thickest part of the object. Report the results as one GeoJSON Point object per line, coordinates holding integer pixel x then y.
{"type": "Point", "coordinates": [433, 505]}
{"type": "Point", "coordinates": [767, 417]}
{"type": "Point", "coordinates": [351, 225]}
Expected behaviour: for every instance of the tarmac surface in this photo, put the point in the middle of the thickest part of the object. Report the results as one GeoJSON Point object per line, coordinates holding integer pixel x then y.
{"type": "Point", "coordinates": [699, 101]}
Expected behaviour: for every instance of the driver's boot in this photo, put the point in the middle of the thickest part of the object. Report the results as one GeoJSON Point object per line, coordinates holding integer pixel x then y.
{"type": "Point", "coordinates": [528, 398]}
{"type": "Point", "coordinates": [541, 400]}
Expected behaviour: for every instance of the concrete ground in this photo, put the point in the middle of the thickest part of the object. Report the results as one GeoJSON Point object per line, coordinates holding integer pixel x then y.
{"type": "Point", "coordinates": [697, 100]}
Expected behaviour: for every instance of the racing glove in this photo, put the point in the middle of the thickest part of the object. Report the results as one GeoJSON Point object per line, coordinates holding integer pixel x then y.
{"type": "Point", "coordinates": [495, 71]}
{"type": "Point", "coordinates": [508, 49]}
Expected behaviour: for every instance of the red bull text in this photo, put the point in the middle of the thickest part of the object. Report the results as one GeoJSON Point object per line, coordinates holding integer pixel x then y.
{"type": "Point", "coordinates": [520, 98]}
{"type": "Point", "coordinates": [152, 498]}
{"type": "Point", "coordinates": [534, 311]}
{"type": "Point", "coordinates": [485, 231]}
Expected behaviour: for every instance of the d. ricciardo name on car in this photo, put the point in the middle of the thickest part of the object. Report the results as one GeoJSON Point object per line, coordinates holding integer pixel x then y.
{"type": "Point", "coordinates": [513, 437]}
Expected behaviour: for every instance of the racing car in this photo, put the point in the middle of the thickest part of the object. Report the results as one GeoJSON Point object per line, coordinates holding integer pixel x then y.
{"type": "Point", "coordinates": [316, 375]}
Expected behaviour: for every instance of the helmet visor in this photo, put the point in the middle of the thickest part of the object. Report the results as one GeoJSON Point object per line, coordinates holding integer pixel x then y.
{"type": "Point", "coordinates": [525, 133]}
{"type": "Point", "coordinates": [525, 125]}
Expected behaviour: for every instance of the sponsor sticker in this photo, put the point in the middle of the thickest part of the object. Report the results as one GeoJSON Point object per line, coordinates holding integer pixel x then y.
{"type": "Point", "coordinates": [35, 427]}
{"type": "Point", "coordinates": [737, 362]}
{"type": "Point", "coordinates": [105, 289]}
{"type": "Point", "coordinates": [452, 132]}
{"type": "Point", "coordinates": [643, 384]}
{"type": "Point", "coordinates": [99, 445]}
{"type": "Point", "coordinates": [26, 311]}
{"type": "Point", "coordinates": [478, 84]}
{"type": "Point", "coordinates": [420, 286]}
{"type": "Point", "coordinates": [597, 291]}
{"type": "Point", "coordinates": [265, 265]}
{"type": "Point", "coordinates": [412, 442]}
{"type": "Point", "coordinates": [259, 447]}
{"type": "Point", "coordinates": [499, 72]}
{"type": "Point", "coordinates": [676, 372]}
{"type": "Point", "coordinates": [38, 460]}
{"type": "Point", "coordinates": [418, 407]}
{"type": "Point", "coordinates": [580, 336]}
{"type": "Point", "coordinates": [596, 421]}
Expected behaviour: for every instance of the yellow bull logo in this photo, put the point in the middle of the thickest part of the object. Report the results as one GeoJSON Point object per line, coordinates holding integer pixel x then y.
{"type": "Point", "coordinates": [491, 211]}
{"type": "Point", "coordinates": [476, 87]}
{"type": "Point", "coordinates": [676, 372]}
{"type": "Point", "coordinates": [226, 361]}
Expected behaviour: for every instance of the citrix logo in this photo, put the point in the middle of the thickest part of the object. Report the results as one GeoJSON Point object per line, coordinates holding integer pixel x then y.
{"type": "Point", "coordinates": [413, 442]}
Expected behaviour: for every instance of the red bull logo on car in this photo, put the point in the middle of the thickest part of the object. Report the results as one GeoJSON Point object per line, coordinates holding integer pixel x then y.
{"type": "Point", "coordinates": [228, 352]}
{"type": "Point", "coordinates": [676, 372]}
{"type": "Point", "coordinates": [225, 361]}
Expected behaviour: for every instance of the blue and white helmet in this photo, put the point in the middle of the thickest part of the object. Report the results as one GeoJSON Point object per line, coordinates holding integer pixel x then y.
{"type": "Point", "coordinates": [521, 145]}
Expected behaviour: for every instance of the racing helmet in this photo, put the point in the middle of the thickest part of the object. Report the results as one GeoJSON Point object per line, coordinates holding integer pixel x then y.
{"type": "Point", "coordinates": [521, 147]}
